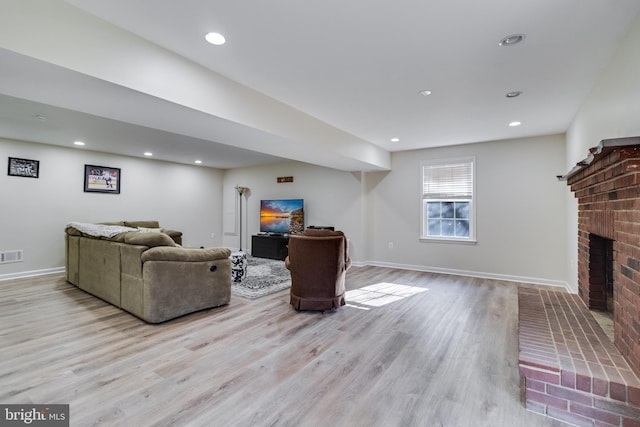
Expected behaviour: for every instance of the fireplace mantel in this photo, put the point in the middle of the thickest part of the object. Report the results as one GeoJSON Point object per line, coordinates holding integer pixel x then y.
{"type": "Point", "coordinates": [627, 145]}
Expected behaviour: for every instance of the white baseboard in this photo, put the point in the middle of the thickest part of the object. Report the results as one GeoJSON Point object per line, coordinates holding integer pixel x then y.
{"type": "Point", "coordinates": [24, 274]}
{"type": "Point", "coordinates": [480, 275]}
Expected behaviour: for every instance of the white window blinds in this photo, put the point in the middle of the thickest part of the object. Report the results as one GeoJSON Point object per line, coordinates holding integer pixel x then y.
{"type": "Point", "coordinates": [451, 180]}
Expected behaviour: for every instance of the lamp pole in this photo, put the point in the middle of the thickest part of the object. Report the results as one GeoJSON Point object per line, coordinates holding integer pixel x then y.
{"type": "Point", "coordinates": [240, 222]}
{"type": "Point", "coordinates": [241, 191]}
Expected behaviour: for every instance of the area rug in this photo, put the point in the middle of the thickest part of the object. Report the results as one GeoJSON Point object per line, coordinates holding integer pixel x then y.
{"type": "Point", "coordinates": [264, 277]}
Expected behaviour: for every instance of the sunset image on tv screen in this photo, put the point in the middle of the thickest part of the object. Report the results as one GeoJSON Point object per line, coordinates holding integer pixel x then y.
{"type": "Point", "coordinates": [281, 216]}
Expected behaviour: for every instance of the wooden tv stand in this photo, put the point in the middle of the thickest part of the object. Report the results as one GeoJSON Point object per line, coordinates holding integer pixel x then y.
{"type": "Point", "coordinates": [269, 246]}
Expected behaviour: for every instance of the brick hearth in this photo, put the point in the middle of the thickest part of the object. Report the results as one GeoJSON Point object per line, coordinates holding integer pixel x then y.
{"type": "Point", "coordinates": [570, 369]}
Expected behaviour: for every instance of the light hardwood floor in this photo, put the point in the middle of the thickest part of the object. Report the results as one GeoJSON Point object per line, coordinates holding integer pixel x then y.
{"type": "Point", "coordinates": [446, 356]}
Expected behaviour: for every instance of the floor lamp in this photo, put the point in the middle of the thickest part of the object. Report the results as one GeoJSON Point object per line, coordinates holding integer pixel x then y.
{"type": "Point", "coordinates": [241, 191]}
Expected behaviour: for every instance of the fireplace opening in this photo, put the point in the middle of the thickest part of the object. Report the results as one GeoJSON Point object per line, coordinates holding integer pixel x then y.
{"type": "Point", "coordinates": [601, 273]}
{"type": "Point", "coordinates": [601, 281]}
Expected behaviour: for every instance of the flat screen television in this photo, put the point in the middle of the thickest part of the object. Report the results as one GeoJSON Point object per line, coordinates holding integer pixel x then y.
{"type": "Point", "coordinates": [282, 216]}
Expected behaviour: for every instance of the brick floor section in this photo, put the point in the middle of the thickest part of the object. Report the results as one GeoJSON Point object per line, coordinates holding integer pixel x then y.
{"type": "Point", "coordinates": [569, 368]}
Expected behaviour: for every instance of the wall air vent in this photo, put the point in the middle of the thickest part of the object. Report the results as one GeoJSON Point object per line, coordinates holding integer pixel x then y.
{"type": "Point", "coordinates": [11, 256]}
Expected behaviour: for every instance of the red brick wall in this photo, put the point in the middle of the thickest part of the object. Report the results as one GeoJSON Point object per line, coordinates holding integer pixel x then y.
{"type": "Point", "coordinates": [608, 193]}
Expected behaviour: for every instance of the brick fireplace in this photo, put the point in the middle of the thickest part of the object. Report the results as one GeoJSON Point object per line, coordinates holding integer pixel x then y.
{"type": "Point", "coordinates": [569, 368]}
{"type": "Point", "coordinates": [607, 186]}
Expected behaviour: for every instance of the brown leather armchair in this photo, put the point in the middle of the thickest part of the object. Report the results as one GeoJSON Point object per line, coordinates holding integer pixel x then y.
{"type": "Point", "coordinates": [318, 261]}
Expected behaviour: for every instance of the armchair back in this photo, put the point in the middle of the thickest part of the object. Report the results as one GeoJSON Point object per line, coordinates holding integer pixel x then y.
{"type": "Point", "coordinates": [318, 261]}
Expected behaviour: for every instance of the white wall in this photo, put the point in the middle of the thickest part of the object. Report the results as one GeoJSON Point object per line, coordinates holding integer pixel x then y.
{"type": "Point", "coordinates": [34, 211]}
{"type": "Point", "coordinates": [520, 211]}
{"type": "Point", "coordinates": [331, 197]}
{"type": "Point", "coordinates": [611, 110]}
{"type": "Point", "coordinates": [520, 206]}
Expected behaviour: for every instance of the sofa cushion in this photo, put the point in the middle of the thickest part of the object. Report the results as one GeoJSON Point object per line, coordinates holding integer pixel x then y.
{"type": "Point", "coordinates": [118, 237]}
{"type": "Point", "coordinates": [146, 224]}
{"type": "Point", "coordinates": [148, 239]}
{"type": "Point", "coordinates": [175, 235]}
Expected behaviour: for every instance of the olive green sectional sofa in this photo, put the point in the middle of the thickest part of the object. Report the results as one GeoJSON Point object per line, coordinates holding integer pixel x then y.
{"type": "Point", "coordinates": [141, 268]}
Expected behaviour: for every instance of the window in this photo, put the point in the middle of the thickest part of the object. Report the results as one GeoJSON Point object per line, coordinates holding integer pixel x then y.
{"type": "Point", "coordinates": [447, 200]}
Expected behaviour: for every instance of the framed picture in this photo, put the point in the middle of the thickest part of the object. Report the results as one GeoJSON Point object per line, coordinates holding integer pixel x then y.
{"type": "Point", "coordinates": [24, 167]}
{"type": "Point", "coordinates": [101, 179]}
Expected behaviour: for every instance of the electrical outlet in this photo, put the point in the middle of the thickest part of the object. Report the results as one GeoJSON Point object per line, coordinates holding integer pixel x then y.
{"type": "Point", "coordinates": [213, 235]}
{"type": "Point", "coordinates": [390, 245]}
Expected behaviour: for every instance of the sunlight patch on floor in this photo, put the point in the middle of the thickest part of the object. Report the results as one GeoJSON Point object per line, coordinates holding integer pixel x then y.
{"type": "Point", "coordinates": [380, 294]}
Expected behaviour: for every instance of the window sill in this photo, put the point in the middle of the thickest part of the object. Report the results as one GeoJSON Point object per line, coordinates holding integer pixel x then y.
{"type": "Point", "coordinates": [454, 241]}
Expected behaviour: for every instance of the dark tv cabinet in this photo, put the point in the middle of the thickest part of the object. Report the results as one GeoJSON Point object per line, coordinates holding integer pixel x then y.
{"type": "Point", "coordinates": [265, 246]}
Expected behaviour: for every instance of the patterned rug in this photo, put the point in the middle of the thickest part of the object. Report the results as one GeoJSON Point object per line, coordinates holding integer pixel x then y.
{"type": "Point", "coordinates": [264, 277]}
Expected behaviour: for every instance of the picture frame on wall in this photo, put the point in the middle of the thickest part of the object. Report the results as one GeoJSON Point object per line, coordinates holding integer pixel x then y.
{"type": "Point", "coordinates": [26, 168]}
{"type": "Point", "coordinates": [101, 179]}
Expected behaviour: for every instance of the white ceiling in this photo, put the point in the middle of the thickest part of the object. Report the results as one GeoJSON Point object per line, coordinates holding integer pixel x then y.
{"type": "Point", "coordinates": [355, 65]}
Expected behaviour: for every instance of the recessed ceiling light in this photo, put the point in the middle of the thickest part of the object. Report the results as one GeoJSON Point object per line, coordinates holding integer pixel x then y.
{"type": "Point", "coordinates": [424, 92]}
{"type": "Point", "coordinates": [148, 154]}
{"type": "Point", "coordinates": [395, 139]}
{"type": "Point", "coordinates": [40, 117]}
{"type": "Point", "coordinates": [80, 143]}
{"type": "Point", "coordinates": [514, 124]}
{"type": "Point", "coordinates": [215, 38]}
{"type": "Point", "coordinates": [514, 94]}
{"type": "Point", "coordinates": [197, 162]}
{"type": "Point", "coordinates": [511, 40]}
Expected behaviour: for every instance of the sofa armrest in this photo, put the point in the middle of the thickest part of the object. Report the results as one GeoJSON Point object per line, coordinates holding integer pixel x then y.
{"type": "Point", "coordinates": [167, 253]}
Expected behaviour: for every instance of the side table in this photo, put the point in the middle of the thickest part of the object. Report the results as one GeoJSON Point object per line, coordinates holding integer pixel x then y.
{"type": "Point", "coordinates": [238, 266]}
